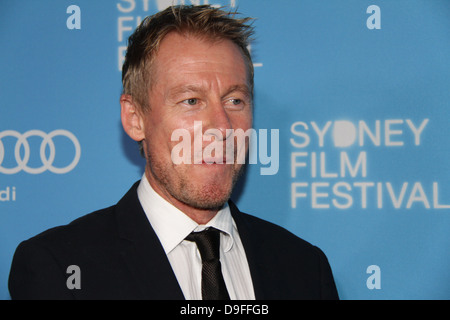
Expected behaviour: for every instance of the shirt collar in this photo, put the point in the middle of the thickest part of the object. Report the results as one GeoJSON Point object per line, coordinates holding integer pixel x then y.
{"type": "Point", "coordinates": [172, 226]}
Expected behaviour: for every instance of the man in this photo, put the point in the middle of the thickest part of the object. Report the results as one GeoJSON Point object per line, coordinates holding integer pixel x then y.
{"type": "Point", "coordinates": [185, 66]}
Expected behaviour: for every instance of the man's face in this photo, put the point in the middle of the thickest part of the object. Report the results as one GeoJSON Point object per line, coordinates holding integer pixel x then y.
{"type": "Point", "coordinates": [197, 80]}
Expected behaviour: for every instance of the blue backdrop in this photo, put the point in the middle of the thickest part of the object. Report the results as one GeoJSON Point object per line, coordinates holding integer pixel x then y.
{"type": "Point", "coordinates": [358, 90]}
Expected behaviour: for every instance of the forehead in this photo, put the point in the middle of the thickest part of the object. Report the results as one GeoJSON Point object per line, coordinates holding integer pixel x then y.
{"type": "Point", "coordinates": [188, 58]}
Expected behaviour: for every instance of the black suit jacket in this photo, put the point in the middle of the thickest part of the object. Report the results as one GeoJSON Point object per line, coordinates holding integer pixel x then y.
{"type": "Point", "coordinates": [120, 257]}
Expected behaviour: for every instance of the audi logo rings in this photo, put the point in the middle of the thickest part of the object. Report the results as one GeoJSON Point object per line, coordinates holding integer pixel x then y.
{"type": "Point", "coordinates": [47, 163]}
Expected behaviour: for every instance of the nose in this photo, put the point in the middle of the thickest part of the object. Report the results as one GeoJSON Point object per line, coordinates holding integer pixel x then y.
{"type": "Point", "coordinates": [217, 122]}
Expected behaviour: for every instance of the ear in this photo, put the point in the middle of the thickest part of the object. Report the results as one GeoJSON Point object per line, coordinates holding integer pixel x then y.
{"type": "Point", "coordinates": [132, 118]}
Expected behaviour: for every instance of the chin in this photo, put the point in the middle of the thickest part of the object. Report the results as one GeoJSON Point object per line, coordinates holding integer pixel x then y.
{"type": "Point", "coordinates": [207, 197]}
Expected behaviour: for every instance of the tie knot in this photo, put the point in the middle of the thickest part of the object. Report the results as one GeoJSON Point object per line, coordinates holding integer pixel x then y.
{"type": "Point", "coordinates": [208, 243]}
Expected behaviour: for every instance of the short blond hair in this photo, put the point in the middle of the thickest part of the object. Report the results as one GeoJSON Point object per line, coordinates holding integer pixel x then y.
{"type": "Point", "coordinates": [204, 21]}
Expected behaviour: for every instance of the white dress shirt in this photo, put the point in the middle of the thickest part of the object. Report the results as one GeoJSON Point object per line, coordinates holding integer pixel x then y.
{"type": "Point", "coordinates": [172, 226]}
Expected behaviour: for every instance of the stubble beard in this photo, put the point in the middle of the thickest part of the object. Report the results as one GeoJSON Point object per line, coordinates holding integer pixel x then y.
{"type": "Point", "coordinates": [177, 183]}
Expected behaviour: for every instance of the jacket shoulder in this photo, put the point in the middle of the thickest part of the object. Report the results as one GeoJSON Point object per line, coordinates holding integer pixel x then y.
{"type": "Point", "coordinates": [269, 232]}
{"type": "Point", "coordinates": [291, 267]}
{"type": "Point", "coordinates": [90, 228]}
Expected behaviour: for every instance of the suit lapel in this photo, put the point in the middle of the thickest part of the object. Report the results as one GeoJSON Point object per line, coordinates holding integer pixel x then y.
{"type": "Point", "coordinates": [142, 251]}
{"type": "Point", "coordinates": [251, 244]}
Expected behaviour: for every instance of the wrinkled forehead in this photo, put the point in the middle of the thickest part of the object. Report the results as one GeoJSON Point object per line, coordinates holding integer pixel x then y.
{"type": "Point", "coordinates": [194, 57]}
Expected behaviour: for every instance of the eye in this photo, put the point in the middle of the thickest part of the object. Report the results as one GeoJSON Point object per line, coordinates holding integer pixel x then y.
{"type": "Point", "coordinates": [236, 102]}
{"type": "Point", "coordinates": [191, 101]}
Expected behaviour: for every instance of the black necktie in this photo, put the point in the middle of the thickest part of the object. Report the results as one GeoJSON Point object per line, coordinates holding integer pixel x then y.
{"type": "Point", "coordinates": [208, 243]}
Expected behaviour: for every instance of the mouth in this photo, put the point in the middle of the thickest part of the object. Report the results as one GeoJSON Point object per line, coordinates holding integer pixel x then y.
{"type": "Point", "coordinates": [211, 161]}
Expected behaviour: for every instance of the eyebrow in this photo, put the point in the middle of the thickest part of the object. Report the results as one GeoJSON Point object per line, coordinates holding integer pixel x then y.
{"type": "Point", "coordinates": [198, 89]}
{"type": "Point", "coordinates": [241, 88]}
{"type": "Point", "coordinates": [184, 89]}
